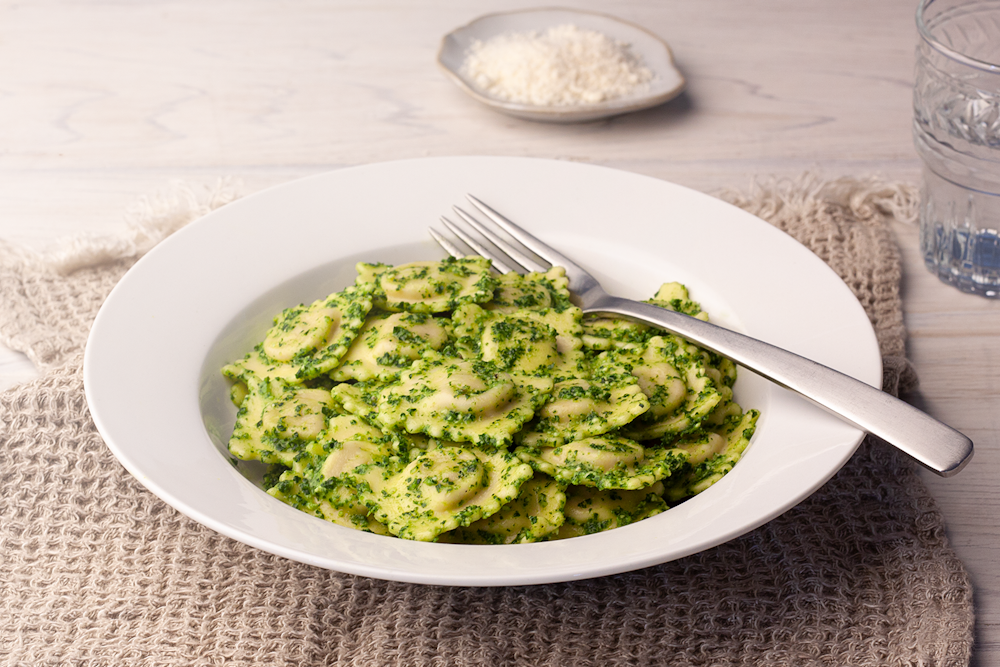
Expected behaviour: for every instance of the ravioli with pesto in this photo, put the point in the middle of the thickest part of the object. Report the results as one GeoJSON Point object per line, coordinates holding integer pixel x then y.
{"type": "Point", "coordinates": [436, 401]}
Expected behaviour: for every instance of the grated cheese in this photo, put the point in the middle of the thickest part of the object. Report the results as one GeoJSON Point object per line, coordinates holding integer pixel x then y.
{"type": "Point", "coordinates": [563, 66]}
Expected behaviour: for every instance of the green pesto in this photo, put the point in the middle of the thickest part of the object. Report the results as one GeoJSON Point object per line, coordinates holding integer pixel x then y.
{"type": "Point", "coordinates": [581, 408]}
{"type": "Point", "coordinates": [435, 401]}
{"type": "Point", "coordinates": [428, 287]}
{"type": "Point", "coordinates": [604, 462]}
{"type": "Point", "coordinates": [534, 516]}
{"type": "Point", "coordinates": [589, 510]}
{"type": "Point", "coordinates": [446, 487]}
{"type": "Point", "coordinates": [463, 401]}
{"type": "Point", "coordinates": [531, 292]}
{"type": "Point", "coordinates": [737, 433]}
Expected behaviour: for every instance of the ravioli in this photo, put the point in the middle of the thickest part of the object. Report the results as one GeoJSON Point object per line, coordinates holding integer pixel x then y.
{"type": "Point", "coordinates": [607, 333]}
{"type": "Point", "coordinates": [675, 361]}
{"type": "Point", "coordinates": [429, 287]}
{"type": "Point", "coordinates": [358, 398]}
{"type": "Point", "coordinates": [535, 515]}
{"type": "Point", "coordinates": [443, 488]}
{"type": "Point", "coordinates": [581, 408]}
{"type": "Point", "coordinates": [712, 455]}
{"type": "Point", "coordinates": [517, 293]}
{"type": "Point", "coordinates": [356, 515]}
{"type": "Point", "coordinates": [465, 401]}
{"type": "Point", "coordinates": [568, 325]}
{"type": "Point", "coordinates": [436, 401]}
{"type": "Point", "coordinates": [326, 482]}
{"type": "Point", "coordinates": [314, 338]}
{"type": "Point", "coordinates": [605, 462]}
{"type": "Point", "coordinates": [340, 477]}
{"type": "Point", "coordinates": [275, 423]}
{"type": "Point", "coordinates": [674, 296]}
{"type": "Point", "coordinates": [388, 343]}
{"type": "Point", "coordinates": [613, 333]}
{"type": "Point", "coordinates": [528, 341]}
{"type": "Point", "coordinates": [589, 510]}
{"type": "Point", "coordinates": [257, 367]}
{"type": "Point", "coordinates": [514, 344]}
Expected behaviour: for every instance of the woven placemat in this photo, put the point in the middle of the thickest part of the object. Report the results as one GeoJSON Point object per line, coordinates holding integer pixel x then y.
{"type": "Point", "coordinates": [95, 570]}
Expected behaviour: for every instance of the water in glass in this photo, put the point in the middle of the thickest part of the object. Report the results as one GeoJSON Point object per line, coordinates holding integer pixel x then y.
{"type": "Point", "coordinates": [956, 126]}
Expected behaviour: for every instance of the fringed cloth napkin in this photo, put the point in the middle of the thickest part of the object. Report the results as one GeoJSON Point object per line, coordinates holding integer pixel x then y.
{"type": "Point", "coordinates": [95, 570]}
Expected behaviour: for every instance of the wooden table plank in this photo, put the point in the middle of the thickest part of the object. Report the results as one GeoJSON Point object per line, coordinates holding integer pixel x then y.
{"type": "Point", "coordinates": [102, 102]}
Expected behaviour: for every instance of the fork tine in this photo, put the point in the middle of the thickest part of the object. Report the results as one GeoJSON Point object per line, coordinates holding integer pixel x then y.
{"type": "Point", "coordinates": [512, 252]}
{"type": "Point", "coordinates": [498, 264]}
{"type": "Point", "coordinates": [448, 246]}
{"type": "Point", "coordinates": [543, 250]}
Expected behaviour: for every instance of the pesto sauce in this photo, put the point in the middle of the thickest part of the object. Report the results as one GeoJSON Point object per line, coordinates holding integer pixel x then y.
{"type": "Point", "coordinates": [436, 401]}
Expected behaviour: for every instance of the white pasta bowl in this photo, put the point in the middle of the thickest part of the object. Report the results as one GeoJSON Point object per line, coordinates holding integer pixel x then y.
{"type": "Point", "coordinates": [208, 293]}
{"type": "Point", "coordinates": [667, 83]}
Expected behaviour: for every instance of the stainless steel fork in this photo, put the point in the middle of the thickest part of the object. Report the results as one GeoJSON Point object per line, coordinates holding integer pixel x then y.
{"type": "Point", "coordinates": [933, 444]}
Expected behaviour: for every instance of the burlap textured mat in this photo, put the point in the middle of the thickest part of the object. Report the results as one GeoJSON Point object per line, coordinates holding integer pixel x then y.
{"type": "Point", "coordinates": [95, 570]}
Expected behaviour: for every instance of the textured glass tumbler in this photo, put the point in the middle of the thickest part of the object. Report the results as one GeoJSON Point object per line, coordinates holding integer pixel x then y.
{"type": "Point", "coordinates": [956, 130]}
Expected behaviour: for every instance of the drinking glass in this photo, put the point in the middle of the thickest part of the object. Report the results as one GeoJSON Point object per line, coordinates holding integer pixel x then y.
{"type": "Point", "coordinates": [956, 130]}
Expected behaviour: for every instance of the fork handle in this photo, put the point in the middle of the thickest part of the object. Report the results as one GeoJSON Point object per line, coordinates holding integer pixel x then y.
{"type": "Point", "coordinates": [932, 443]}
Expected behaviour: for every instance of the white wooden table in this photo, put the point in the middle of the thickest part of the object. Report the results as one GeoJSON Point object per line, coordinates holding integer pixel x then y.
{"type": "Point", "coordinates": [102, 102]}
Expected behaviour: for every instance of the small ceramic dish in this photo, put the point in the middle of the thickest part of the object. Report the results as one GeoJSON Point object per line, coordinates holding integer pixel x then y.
{"type": "Point", "coordinates": [667, 80]}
